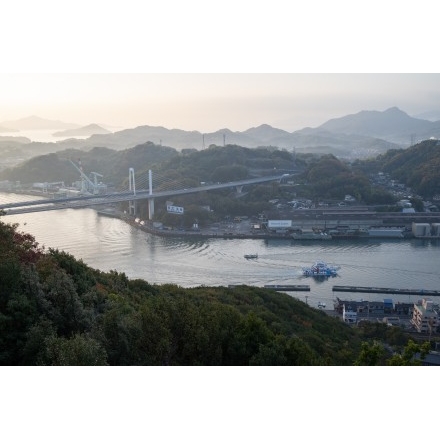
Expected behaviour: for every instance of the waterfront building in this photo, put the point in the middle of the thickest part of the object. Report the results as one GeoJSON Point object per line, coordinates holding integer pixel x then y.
{"type": "Point", "coordinates": [425, 317]}
{"type": "Point", "coordinates": [349, 316]}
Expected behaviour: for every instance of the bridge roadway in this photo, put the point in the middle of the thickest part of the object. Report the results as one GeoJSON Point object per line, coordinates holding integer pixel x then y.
{"type": "Point", "coordinates": [90, 200]}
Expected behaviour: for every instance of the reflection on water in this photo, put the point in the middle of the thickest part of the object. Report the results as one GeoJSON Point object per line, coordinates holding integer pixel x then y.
{"type": "Point", "coordinates": [46, 136]}
{"type": "Point", "coordinates": [425, 243]}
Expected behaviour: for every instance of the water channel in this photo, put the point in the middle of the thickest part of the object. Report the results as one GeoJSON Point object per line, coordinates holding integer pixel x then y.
{"type": "Point", "coordinates": [111, 244]}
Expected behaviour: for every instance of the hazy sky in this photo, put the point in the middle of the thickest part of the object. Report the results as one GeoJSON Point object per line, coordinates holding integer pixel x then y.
{"type": "Point", "coordinates": [208, 102]}
{"type": "Point", "coordinates": [134, 41]}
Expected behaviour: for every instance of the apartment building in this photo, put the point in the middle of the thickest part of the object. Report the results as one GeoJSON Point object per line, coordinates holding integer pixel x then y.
{"type": "Point", "coordinates": [425, 316]}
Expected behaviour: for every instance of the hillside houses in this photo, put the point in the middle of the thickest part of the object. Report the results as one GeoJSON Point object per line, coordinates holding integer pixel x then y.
{"type": "Point", "coordinates": [422, 316]}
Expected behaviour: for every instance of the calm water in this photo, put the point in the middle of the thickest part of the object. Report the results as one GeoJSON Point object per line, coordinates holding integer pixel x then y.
{"type": "Point", "coordinates": [41, 135]}
{"type": "Point", "coordinates": [105, 243]}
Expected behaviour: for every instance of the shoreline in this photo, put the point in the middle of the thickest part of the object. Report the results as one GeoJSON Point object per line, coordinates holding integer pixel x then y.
{"type": "Point", "coordinates": [240, 233]}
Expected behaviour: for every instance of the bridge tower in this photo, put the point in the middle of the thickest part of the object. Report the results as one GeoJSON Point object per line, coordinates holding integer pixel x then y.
{"type": "Point", "coordinates": [131, 187]}
{"type": "Point", "coordinates": [151, 200]}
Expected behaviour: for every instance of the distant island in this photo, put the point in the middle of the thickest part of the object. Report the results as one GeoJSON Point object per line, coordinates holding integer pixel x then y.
{"type": "Point", "coordinates": [88, 130]}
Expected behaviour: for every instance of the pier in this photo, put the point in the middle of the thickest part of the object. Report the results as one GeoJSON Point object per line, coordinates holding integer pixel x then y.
{"type": "Point", "coordinates": [288, 287]}
{"type": "Point", "coordinates": [388, 290]}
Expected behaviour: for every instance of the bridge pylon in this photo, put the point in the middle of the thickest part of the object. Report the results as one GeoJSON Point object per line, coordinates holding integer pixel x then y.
{"type": "Point", "coordinates": [131, 187]}
{"type": "Point", "coordinates": [151, 200]}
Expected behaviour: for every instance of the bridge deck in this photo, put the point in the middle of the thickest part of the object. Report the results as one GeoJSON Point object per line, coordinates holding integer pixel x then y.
{"type": "Point", "coordinates": [49, 204]}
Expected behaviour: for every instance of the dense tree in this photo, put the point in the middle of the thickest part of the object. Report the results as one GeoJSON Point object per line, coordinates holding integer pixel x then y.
{"type": "Point", "coordinates": [412, 354]}
{"type": "Point", "coordinates": [329, 178]}
{"type": "Point", "coordinates": [228, 173]}
{"type": "Point", "coordinates": [370, 355]}
{"type": "Point", "coordinates": [77, 351]}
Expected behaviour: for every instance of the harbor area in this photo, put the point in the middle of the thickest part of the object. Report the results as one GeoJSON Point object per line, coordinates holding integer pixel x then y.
{"type": "Point", "coordinates": [301, 229]}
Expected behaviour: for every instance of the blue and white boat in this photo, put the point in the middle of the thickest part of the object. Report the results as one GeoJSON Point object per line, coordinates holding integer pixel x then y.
{"type": "Point", "coordinates": [320, 269]}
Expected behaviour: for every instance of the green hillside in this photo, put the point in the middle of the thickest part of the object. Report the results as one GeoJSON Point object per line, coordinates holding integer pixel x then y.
{"type": "Point", "coordinates": [416, 167]}
{"type": "Point", "coordinates": [113, 165]}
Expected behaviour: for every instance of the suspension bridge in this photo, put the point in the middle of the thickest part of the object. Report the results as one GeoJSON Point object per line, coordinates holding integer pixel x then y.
{"type": "Point", "coordinates": [140, 187]}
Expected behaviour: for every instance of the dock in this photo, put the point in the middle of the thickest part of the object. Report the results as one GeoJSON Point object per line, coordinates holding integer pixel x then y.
{"type": "Point", "coordinates": [288, 287]}
{"type": "Point", "coordinates": [388, 290]}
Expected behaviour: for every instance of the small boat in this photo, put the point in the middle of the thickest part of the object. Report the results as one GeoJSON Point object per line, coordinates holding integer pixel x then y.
{"type": "Point", "coordinates": [250, 256]}
{"type": "Point", "coordinates": [320, 269]}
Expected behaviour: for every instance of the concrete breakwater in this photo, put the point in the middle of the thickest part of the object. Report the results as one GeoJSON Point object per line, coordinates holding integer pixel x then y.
{"type": "Point", "coordinates": [387, 290]}
{"type": "Point", "coordinates": [288, 287]}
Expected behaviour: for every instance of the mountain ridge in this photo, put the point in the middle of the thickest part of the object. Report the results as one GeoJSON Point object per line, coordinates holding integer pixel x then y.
{"type": "Point", "coordinates": [392, 124]}
{"type": "Point", "coordinates": [391, 127]}
{"type": "Point", "coordinates": [363, 134]}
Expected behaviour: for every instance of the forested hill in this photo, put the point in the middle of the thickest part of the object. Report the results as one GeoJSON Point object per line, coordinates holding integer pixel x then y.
{"type": "Point", "coordinates": [113, 165]}
{"type": "Point", "coordinates": [215, 163]}
{"type": "Point", "coordinates": [417, 166]}
{"type": "Point", "coordinates": [322, 176]}
{"type": "Point", "coordinates": [55, 310]}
